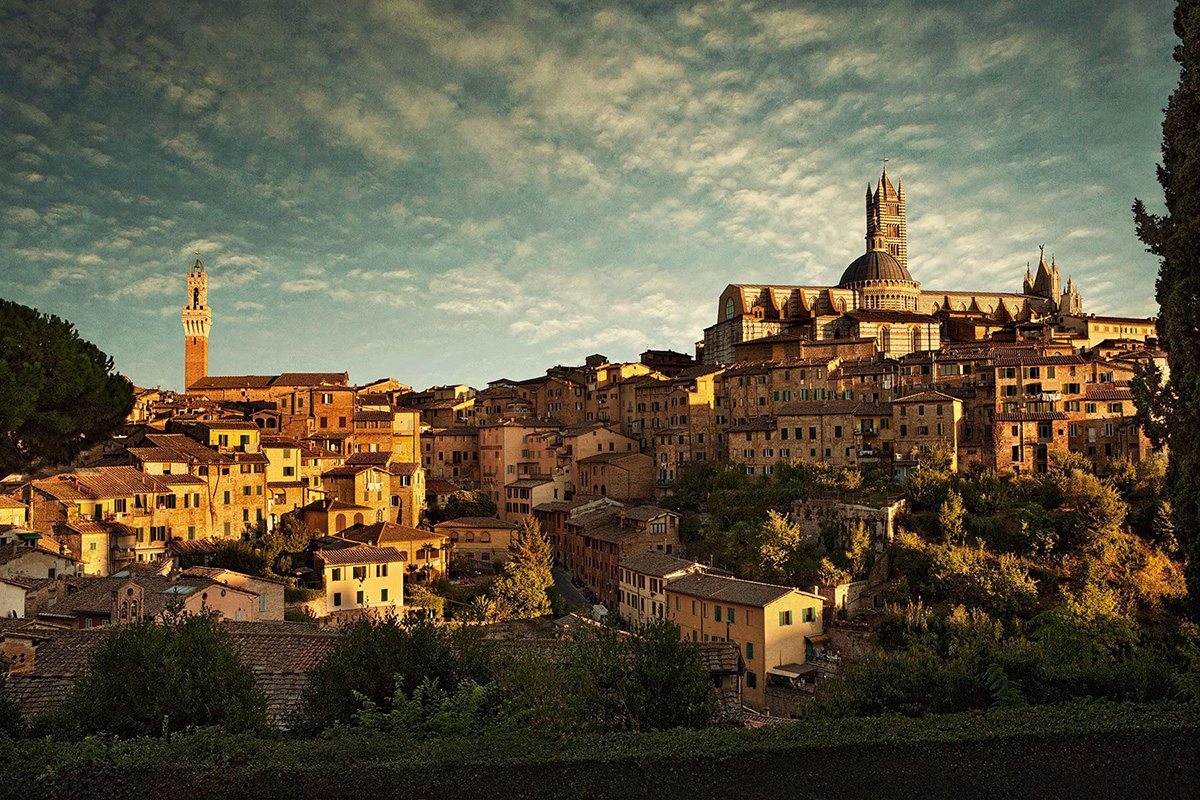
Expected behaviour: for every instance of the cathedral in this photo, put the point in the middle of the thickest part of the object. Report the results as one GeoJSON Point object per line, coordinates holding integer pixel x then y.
{"type": "Point", "coordinates": [877, 300]}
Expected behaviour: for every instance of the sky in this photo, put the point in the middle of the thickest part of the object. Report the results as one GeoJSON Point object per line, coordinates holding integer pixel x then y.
{"type": "Point", "coordinates": [461, 191]}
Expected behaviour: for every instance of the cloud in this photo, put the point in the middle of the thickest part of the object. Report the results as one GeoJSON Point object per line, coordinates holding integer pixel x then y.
{"type": "Point", "coordinates": [303, 285]}
{"type": "Point", "coordinates": [248, 305]}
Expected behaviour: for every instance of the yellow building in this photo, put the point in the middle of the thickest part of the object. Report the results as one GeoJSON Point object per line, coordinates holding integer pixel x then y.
{"type": "Point", "coordinates": [425, 554]}
{"type": "Point", "coordinates": [358, 576]}
{"type": "Point", "coordinates": [483, 540]}
{"type": "Point", "coordinates": [774, 626]}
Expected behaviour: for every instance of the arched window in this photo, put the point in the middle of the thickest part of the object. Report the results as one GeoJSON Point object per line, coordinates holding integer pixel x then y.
{"type": "Point", "coordinates": [340, 522]}
{"type": "Point", "coordinates": [729, 306]}
{"type": "Point", "coordinates": [358, 519]}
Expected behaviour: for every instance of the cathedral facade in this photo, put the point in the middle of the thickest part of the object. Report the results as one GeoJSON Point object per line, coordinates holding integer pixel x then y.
{"type": "Point", "coordinates": [878, 300]}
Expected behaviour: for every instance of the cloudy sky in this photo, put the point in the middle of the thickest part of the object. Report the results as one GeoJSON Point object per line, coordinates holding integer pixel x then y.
{"type": "Point", "coordinates": [458, 191]}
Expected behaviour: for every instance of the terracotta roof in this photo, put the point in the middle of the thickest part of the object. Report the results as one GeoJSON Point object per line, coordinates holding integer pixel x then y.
{"type": "Point", "coordinates": [182, 479]}
{"type": "Point", "coordinates": [1030, 416]}
{"type": "Point", "coordinates": [280, 654]}
{"type": "Point", "coordinates": [924, 397]}
{"type": "Point", "coordinates": [376, 416]}
{"type": "Point", "coordinates": [232, 382]}
{"type": "Point", "coordinates": [476, 522]}
{"type": "Point", "coordinates": [439, 486]}
{"type": "Point", "coordinates": [528, 483]}
{"type": "Point", "coordinates": [7, 501]}
{"type": "Point", "coordinates": [1037, 360]}
{"type": "Point", "coordinates": [404, 468]}
{"type": "Point", "coordinates": [378, 459]}
{"type": "Point", "coordinates": [338, 379]}
{"type": "Point", "coordinates": [381, 533]}
{"type": "Point", "coordinates": [646, 513]}
{"type": "Point", "coordinates": [721, 658]}
{"type": "Point", "coordinates": [227, 425]}
{"type": "Point", "coordinates": [1107, 391]}
{"type": "Point", "coordinates": [156, 454]}
{"type": "Point", "coordinates": [652, 562]}
{"type": "Point", "coordinates": [610, 457]}
{"type": "Point", "coordinates": [359, 554]}
{"type": "Point", "coordinates": [729, 590]}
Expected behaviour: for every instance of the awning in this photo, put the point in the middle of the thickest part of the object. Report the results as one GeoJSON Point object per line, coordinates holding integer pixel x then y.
{"type": "Point", "coordinates": [792, 670]}
{"type": "Point", "coordinates": [820, 640]}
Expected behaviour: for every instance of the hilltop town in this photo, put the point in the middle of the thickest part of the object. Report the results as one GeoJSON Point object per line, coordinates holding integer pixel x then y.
{"type": "Point", "coordinates": [401, 490]}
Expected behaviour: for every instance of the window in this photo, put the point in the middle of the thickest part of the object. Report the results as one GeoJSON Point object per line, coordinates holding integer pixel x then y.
{"type": "Point", "coordinates": [336, 574]}
{"type": "Point", "coordinates": [226, 497]}
{"type": "Point", "coordinates": [810, 614]}
{"type": "Point", "coordinates": [381, 570]}
{"type": "Point", "coordinates": [749, 651]}
{"type": "Point", "coordinates": [785, 617]}
{"type": "Point", "coordinates": [360, 597]}
{"type": "Point", "coordinates": [751, 680]}
{"type": "Point", "coordinates": [1016, 452]}
{"type": "Point", "coordinates": [729, 615]}
{"type": "Point", "coordinates": [383, 595]}
{"type": "Point", "coordinates": [337, 598]}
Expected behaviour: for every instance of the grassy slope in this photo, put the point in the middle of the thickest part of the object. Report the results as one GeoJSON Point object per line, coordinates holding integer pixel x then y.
{"type": "Point", "coordinates": [1102, 750]}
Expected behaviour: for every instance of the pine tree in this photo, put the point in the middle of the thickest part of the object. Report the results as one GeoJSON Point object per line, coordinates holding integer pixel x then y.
{"type": "Point", "coordinates": [1175, 239]}
{"type": "Point", "coordinates": [520, 589]}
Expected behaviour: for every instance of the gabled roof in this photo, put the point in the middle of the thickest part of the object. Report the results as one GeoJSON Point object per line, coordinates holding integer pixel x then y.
{"type": "Point", "coordinates": [730, 590]}
{"type": "Point", "coordinates": [925, 397]}
{"type": "Point", "coordinates": [355, 553]}
{"type": "Point", "coordinates": [381, 533]}
{"type": "Point", "coordinates": [476, 522]}
{"type": "Point", "coordinates": [652, 562]}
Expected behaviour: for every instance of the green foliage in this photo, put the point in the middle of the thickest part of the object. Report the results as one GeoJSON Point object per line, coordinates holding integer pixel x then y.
{"type": "Point", "coordinates": [778, 539]}
{"type": "Point", "coordinates": [11, 723]}
{"type": "Point", "coordinates": [149, 678]}
{"type": "Point", "coordinates": [653, 680]}
{"type": "Point", "coordinates": [1173, 237]}
{"type": "Point", "coordinates": [430, 711]}
{"type": "Point", "coordinates": [240, 556]}
{"type": "Point", "coordinates": [468, 503]}
{"type": "Point", "coordinates": [929, 484]}
{"type": "Point", "coordinates": [1006, 694]}
{"type": "Point", "coordinates": [376, 657]}
{"type": "Point", "coordinates": [950, 518]}
{"type": "Point", "coordinates": [520, 589]}
{"type": "Point", "coordinates": [422, 597]}
{"type": "Point", "coordinates": [59, 394]}
{"type": "Point", "coordinates": [998, 584]}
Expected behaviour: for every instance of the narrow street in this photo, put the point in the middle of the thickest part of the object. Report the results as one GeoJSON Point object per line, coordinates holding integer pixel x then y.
{"type": "Point", "coordinates": [562, 582]}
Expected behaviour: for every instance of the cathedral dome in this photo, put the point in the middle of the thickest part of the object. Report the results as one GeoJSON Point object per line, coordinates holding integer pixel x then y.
{"type": "Point", "coordinates": [874, 265]}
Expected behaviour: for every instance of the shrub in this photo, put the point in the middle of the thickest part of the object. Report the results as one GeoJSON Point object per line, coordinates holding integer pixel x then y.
{"type": "Point", "coordinates": [377, 656]}
{"type": "Point", "coordinates": [150, 678]}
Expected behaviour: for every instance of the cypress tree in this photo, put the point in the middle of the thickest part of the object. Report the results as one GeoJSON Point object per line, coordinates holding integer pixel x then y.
{"type": "Point", "coordinates": [1175, 238]}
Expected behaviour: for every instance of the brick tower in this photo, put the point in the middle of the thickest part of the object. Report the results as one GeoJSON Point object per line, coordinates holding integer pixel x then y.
{"type": "Point", "coordinates": [885, 208]}
{"type": "Point", "coordinates": [197, 322]}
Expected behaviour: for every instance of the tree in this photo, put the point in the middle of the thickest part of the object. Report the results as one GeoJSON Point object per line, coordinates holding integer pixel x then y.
{"type": "Point", "coordinates": [468, 504]}
{"type": "Point", "coordinates": [650, 680]}
{"type": "Point", "coordinates": [520, 589]}
{"type": "Point", "coordinates": [950, 518]}
{"type": "Point", "coordinates": [240, 556]}
{"type": "Point", "coordinates": [10, 714]}
{"type": "Point", "coordinates": [778, 539]}
{"type": "Point", "coordinates": [59, 394]}
{"type": "Point", "coordinates": [153, 677]}
{"type": "Point", "coordinates": [376, 657]}
{"type": "Point", "coordinates": [1175, 238]}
